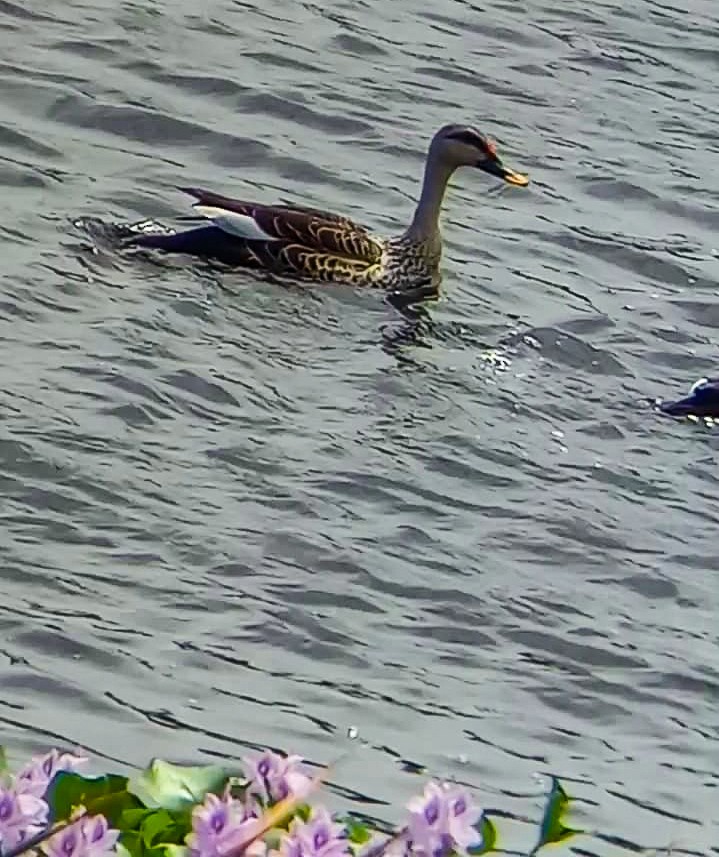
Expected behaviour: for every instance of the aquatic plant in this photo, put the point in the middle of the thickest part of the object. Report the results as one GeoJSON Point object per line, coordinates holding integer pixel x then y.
{"type": "Point", "coordinates": [49, 808]}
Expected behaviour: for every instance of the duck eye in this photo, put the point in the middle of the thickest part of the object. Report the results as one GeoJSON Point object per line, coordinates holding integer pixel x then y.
{"type": "Point", "coordinates": [471, 138]}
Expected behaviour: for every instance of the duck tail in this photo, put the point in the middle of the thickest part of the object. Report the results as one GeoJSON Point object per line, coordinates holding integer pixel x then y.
{"type": "Point", "coordinates": [197, 242]}
{"type": "Point", "coordinates": [110, 234]}
{"type": "Point", "coordinates": [140, 228]}
{"type": "Point", "coordinates": [209, 242]}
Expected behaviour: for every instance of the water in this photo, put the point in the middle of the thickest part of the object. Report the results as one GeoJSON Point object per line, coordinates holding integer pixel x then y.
{"type": "Point", "coordinates": [237, 514]}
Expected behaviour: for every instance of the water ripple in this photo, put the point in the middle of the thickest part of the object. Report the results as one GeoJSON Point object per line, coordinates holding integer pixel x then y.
{"type": "Point", "coordinates": [239, 514]}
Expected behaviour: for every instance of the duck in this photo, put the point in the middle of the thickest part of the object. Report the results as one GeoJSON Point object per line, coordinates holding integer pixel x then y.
{"type": "Point", "coordinates": [311, 244]}
{"type": "Point", "coordinates": [701, 401]}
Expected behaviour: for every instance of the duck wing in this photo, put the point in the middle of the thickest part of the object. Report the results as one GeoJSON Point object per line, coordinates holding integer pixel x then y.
{"type": "Point", "coordinates": [297, 227]}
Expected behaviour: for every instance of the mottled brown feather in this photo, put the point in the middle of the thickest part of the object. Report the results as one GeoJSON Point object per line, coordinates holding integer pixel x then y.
{"type": "Point", "coordinates": [286, 258]}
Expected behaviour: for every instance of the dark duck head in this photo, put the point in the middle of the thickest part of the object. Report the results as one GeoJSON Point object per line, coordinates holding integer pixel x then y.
{"type": "Point", "coordinates": [702, 401]}
{"type": "Point", "coordinates": [456, 146]}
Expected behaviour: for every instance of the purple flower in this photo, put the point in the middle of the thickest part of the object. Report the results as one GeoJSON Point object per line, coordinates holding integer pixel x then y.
{"type": "Point", "coordinates": [318, 837]}
{"type": "Point", "coordinates": [22, 816]}
{"type": "Point", "coordinates": [442, 820]}
{"type": "Point", "coordinates": [463, 817]}
{"type": "Point", "coordinates": [273, 777]}
{"type": "Point", "coordinates": [220, 825]}
{"type": "Point", "coordinates": [35, 777]}
{"type": "Point", "coordinates": [428, 822]}
{"type": "Point", "coordinates": [90, 836]}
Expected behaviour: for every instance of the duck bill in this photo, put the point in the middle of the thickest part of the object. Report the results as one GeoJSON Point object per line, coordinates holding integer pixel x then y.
{"type": "Point", "coordinates": [496, 168]}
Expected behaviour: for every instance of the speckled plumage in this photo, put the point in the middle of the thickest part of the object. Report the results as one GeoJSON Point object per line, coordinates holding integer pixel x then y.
{"type": "Point", "coordinates": [311, 244]}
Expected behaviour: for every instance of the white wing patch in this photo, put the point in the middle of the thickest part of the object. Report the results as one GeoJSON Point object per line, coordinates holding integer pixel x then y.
{"type": "Point", "coordinates": [241, 225]}
{"type": "Point", "coordinates": [700, 383]}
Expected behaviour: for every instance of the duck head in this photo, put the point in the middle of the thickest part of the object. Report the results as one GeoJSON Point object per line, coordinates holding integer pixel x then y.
{"type": "Point", "coordinates": [702, 401]}
{"type": "Point", "coordinates": [464, 146]}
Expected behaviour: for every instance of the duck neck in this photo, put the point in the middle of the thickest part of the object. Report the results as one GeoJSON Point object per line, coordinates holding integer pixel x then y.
{"type": "Point", "coordinates": [425, 223]}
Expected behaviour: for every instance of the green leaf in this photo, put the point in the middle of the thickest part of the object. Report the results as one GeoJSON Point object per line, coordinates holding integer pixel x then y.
{"type": "Point", "coordinates": [183, 823]}
{"type": "Point", "coordinates": [122, 849]}
{"type": "Point", "coordinates": [490, 837]}
{"type": "Point", "coordinates": [131, 819]}
{"type": "Point", "coordinates": [106, 795]}
{"type": "Point", "coordinates": [133, 847]}
{"type": "Point", "coordinates": [552, 828]}
{"type": "Point", "coordinates": [130, 845]}
{"type": "Point", "coordinates": [356, 831]}
{"type": "Point", "coordinates": [167, 786]}
{"type": "Point", "coordinates": [158, 827]}
{"type": "Point", "coordinates": [4, 768]}
{"type": "Point", "coordinates": [168, 849]}
{"type": "Point", "coordinates": [162, 827]}
{"type": "Point", "coordinates": [303, 812]}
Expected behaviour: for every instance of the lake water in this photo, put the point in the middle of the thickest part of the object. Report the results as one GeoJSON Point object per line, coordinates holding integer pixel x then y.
{"type": "Point", "coordinates": [237, 514]}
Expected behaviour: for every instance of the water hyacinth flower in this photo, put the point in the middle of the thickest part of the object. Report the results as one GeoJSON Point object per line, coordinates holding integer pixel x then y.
{"type": "Point", "coordinates": [35, 777]}
{"type": "Point", "coordinates": [464, 815]}
{"type": "Point", "coordinates": [22, 816]}
{"type": "Point", "coordinates": [273, 777]}
{"type": "Point", "coordinates": [90, 836]}
{"type": "Point", "coordinates": [319, 836]}
{"type": "Point", "coordinates": [222, 824]}
{"type": "Point", "coordinates": [441, 820]}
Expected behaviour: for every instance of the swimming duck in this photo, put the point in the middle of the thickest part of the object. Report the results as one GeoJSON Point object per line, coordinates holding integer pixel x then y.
{"type": "Point", "coordinates": [308, 243]}
{"type": "Point", "coordinates": [702, 401]}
